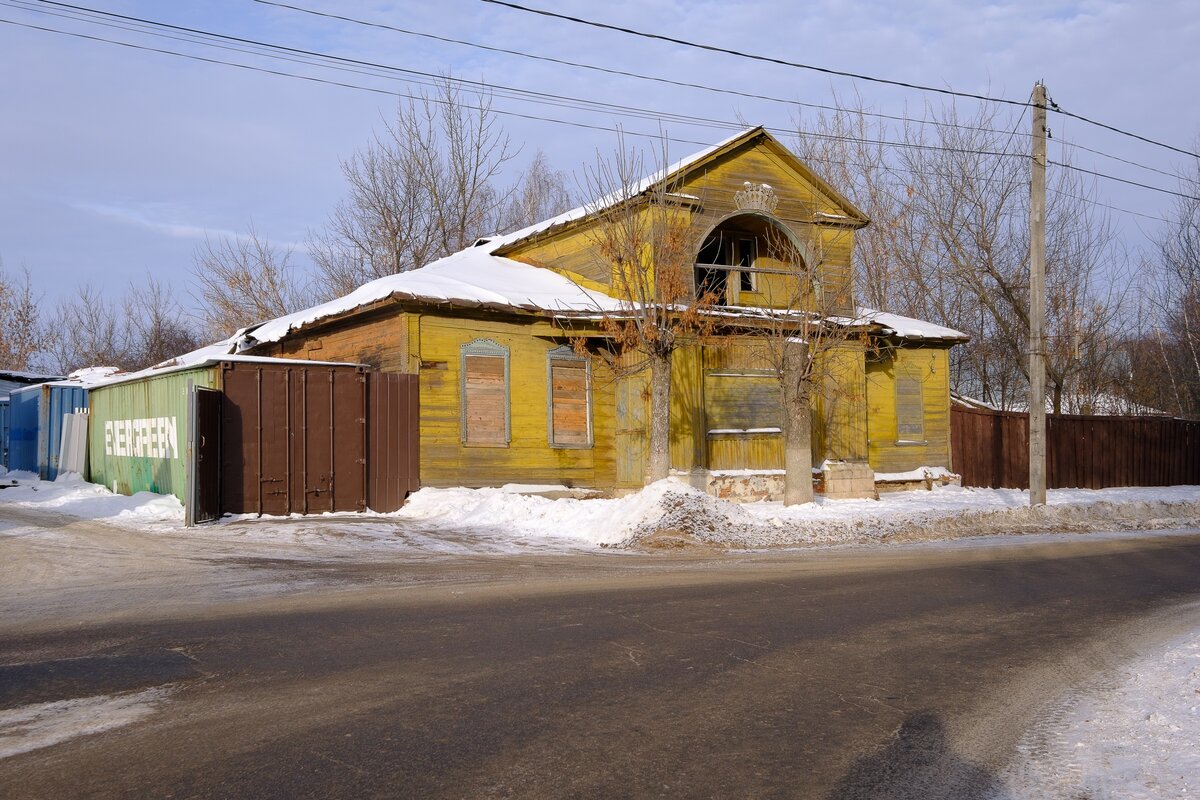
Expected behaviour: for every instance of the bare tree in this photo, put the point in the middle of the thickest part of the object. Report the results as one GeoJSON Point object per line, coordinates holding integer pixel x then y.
{"type": "Point", "coordinates": [1177, 299]}
{"type": "Point", "coordinates": [541, 193]}
{"type": "Point", "coordinates": [807, 321]}
{"type": "Point", "coordinates": [158, 327]}
{"type": "Point", "coordinates": [649, 244]}
{"type": "Point", "coordinates": [949, 242]}
{"type": "Point", "coordinates": [24, 337]}
{"type": "Point", "coordinates": [97, 336]}
{"type": "Point", "coordinates": [424, 188]}
{"type": "Point", "coordinates": [243, 280]}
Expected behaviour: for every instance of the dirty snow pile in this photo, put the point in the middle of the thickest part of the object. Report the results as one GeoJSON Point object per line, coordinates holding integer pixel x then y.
{"type": "Point", "coordinates": [1136, 736]}
{"type": "Point", "coordinates": [596, 521]}
{"type": "Point", "coordinates": [671, 513]}
{"type": "Point", "coordinates": [69, 494]}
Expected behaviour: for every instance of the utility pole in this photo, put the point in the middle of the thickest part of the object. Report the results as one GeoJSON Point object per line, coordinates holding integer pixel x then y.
{"type": "Point", "coordinates": [1037, 303]}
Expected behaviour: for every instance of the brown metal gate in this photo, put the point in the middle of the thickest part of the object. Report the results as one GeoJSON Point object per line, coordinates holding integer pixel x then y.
{"type": "Point", "coordinates": [393, 432]}
{"type": "Point", "coordinates": [293, 438]}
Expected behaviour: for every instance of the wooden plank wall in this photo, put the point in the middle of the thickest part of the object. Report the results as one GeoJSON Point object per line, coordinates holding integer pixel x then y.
{"type": "Point", "coordinates": [991, 449]}
{"type": "Point", "coordinates": [528, 457]}
{"type": "Point", "coordinates": [379, 339]}
{"type": "Point", "coordinates": [889, 451]}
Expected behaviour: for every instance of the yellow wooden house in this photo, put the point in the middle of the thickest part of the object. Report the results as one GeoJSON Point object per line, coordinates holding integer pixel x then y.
{"type": "Point", "coordinates": [508, 394]}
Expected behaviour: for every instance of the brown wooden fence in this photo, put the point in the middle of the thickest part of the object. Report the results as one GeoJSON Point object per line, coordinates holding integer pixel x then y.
{"type": "Point", "coordinates": [991, 449]}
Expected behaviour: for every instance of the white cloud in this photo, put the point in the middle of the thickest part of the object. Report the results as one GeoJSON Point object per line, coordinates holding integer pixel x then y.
{"type": "Point", "coordinates": [157, 217]}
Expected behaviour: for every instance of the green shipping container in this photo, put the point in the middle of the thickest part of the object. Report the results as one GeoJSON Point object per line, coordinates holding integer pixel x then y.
{"type": "Point", "coordinates": [138, 435]}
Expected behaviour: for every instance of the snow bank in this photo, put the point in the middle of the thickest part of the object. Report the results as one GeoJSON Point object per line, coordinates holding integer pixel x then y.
{"type": "Point", "coordinates": [668, 513]}
{"type": "Point", "coordinates": [1133, 737]}
{"type": "Point", "coordinates": [72, 495]}
{"type": "Point", "coordinates": [604, 522]}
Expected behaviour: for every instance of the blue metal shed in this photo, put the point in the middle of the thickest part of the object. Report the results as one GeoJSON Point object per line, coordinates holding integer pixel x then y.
{"type": "Point", "coordinates": [36, 423]}
{"type": "Point", "coordinates": [4, 431]}
{"type": "Point", "coordinates": [11, 381]}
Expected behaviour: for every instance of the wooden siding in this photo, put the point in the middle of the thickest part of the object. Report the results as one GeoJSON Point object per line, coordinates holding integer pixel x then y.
{"type": "Point", "coordinates": [759, 451]}
{"type": "Point", "coordinates": [632, 393]}
{"type": "Point", "coordinates": [840, 419]}
{"type": "Point", "coordinates": [891, 450]}
{"type": "Point", "coordinates": [379, 339]}
{"type": "Point", "coordinates": [528, 456]}
{"type": "Point", "coordinates": [991, 448]}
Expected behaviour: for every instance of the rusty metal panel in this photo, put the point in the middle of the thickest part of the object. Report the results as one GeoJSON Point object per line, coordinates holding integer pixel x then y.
{"type": "Point", "coordinates": [293, 438]}
{"type": "Point", "coordinates": [393, 430]}
{"type": "Point", "coordinates": [348, 439]}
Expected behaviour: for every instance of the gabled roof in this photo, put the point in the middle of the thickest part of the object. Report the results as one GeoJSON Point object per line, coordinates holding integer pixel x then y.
{"type": "Point", "coordinates": [674, 172]}
{"type": "Point", "coordinates": [481, 277]}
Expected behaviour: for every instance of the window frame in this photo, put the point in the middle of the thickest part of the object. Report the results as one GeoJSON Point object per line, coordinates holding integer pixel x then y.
{"type": "Point", "coordinates": [566, 355]}
{"type": "Point", "coordinates": [484, 348]}
{"type": "Point", "coordinates": [747, 274]}
{"type": "Point", "coordinates": [903, 438]}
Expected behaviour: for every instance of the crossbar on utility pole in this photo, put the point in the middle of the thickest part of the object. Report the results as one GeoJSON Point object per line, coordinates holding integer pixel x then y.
{"type": "Point", "coordinates": [1037, 303]}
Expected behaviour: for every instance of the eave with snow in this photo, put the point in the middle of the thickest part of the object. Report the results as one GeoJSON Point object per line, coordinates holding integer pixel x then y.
{"type": "Point", "coordinates": [509, 395]}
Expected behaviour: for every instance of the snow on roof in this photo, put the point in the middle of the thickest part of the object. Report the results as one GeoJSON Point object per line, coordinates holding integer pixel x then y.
{"type": "Point", "coordinates": [93, 374]}
{"type": "Point", "coordinates": [167, 368]}
{"type": "Point", "coordinates": [28, 377]}
{"type": "Point", "coordinates": [471, 277]}
{"type": "Point", "coordinates": [619, 196]}
{"type": "Point", "coordinates": [908, 327]}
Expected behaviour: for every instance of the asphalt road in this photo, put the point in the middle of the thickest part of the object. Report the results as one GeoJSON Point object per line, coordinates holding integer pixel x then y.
{"type": "Point", "coordinates": [890, 672]}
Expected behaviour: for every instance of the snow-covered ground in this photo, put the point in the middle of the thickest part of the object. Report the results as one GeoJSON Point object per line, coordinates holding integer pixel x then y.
{"type": "Point", "coordinates": [666, 513]}
{"type": "Point", "coordinates": [1134, 735]}
{"type": "Point", "coordinates": [1131, 735]}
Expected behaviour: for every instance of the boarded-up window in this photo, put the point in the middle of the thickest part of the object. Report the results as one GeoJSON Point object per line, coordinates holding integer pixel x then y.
{"type": "Point", "coordinates": [910, 410]}
{"type": "Point", "coordinates": [485, 412]}
{"type": "Point", "coordinates": [749, 401]}
{"type": "Point", "coordinates": [570, 399]}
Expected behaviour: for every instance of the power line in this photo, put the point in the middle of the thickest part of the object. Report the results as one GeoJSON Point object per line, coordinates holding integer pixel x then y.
{"type": "Point", "coordinates": [826, 70]}
{"type": "Point", "coordinates": [552, 120]}
{"type": "Point", "coordinates": [328, 82]}
{"type": "Point", "coordinates": [1106, 205]}
{"type": "Point", "coordinates": [613, 71]}
{"type": "Point", "coordinates": [699, 86]}
{"type": "Point", "coordinates": [1065, 143]}
{"type": "Point", "coordinates": [1123, 180]}
{"type": "Point", "coordinates": [1055, 108]}
{"type": "Point", "coordinates": [511, 92]}
{"type": "Point", "coordinates": [752, 56]}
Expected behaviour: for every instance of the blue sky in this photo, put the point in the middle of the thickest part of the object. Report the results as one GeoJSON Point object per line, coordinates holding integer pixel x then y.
{"type": "Point", "coordinates": [115, 162]}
